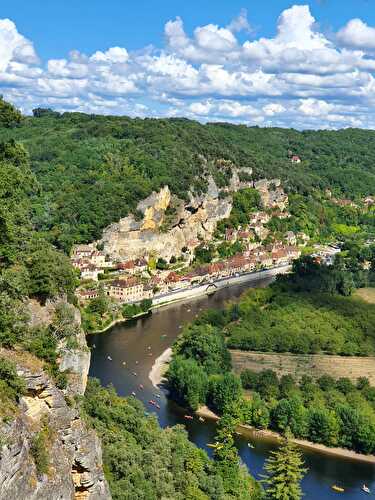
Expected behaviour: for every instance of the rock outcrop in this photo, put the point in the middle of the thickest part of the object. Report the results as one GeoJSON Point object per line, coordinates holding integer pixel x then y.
{"type": "Point", "coordinates": [164, 235]}
{"type": "Point", "coordinates": [74, 452]}
{"type": "Point", "coordinates": [192, 222]}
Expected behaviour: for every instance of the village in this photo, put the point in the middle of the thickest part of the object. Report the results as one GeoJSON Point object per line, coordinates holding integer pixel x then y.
{"type": "Point", "coordinates": [149, 277]}
{"type": "Point", "coordinates": [131, 281]}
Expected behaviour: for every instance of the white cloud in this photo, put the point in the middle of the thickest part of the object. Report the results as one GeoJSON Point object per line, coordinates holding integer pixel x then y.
{"type": "Point", "coordinates": [297, 77]}
{"type": "Point", "coordinates": [112, 55]}
{"type": "Point", "coordinates": [273, 109]}
{"type": "Point", "coordinates": [240, 23]}
{"type": "Point", "coordinates": [14, 46]}
{"type": "Point", "coordinates": [357, 34]}
{"type": "Point", "coordinates": [211, 37]}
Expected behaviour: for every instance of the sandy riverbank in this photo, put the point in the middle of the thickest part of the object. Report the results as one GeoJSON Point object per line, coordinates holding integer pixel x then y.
{"type": "Point", "coordinates": [159, 368]}
{"type": "Point", "coordinates": [248, 430]}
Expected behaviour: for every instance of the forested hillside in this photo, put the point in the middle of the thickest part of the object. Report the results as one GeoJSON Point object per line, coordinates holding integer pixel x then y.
{"type": "Point", "coordinates": [94, 169]}
{"type": "Point", "coordinates": [141, 460]}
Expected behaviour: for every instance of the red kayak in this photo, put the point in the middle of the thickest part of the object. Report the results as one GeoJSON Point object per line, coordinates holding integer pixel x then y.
{"type": "Point", "coordinates": [188, 417]}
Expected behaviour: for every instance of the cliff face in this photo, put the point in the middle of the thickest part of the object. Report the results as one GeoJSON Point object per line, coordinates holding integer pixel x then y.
{"type": "Point", "coordinates": [190, 223]}
{"type": "Point", "coordinates": [165, 235]}
{"type": "Point", "coordinates": [74, 468]}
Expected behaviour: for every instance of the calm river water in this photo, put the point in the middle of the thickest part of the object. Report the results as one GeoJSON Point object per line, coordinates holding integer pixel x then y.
{"type": "Point", "coordinates": [139, 343]}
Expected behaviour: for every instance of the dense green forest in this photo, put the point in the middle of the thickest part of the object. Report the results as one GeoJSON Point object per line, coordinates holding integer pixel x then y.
{"type": "Point", "coordinates": [303, 323]}
{"type": "Point", "coordinates": [310, 310]}
{"type": "Point", "coordinates": [328, 411]}
{"type": "Point", "coordinates": [93, 169]}
{"type": "Point", "coordinates": [143, 461]}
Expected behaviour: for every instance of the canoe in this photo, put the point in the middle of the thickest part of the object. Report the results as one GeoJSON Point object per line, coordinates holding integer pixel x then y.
{"type": "Point", "coordinates": [338, 489]}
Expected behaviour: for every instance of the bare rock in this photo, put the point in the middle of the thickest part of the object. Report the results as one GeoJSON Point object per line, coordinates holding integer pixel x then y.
{"type": "Point", "coordinates": [74, 452]}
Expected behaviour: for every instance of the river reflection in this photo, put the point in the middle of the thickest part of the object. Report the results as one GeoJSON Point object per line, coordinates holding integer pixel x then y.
{"type": "Point", "coordinates": [134, 346]}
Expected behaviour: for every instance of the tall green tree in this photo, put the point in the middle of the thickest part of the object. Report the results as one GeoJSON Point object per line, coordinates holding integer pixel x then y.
{"type": "Point", "coordinates": [284, 471]}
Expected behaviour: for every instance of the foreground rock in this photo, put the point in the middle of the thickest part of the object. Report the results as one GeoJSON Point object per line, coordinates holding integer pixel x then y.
{"type": "Point", "coordinates": [73, 467]}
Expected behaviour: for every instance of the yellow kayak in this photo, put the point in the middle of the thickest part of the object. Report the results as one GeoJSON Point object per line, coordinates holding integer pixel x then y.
{"type": "Point", "coordinates": [217, 446]}
{"type": "Point", "coordinates": [338, 489]}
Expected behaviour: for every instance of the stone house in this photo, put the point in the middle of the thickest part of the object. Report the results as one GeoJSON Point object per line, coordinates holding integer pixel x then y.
{"type": "Point", "coordinates": [89, 271]}
{"type": "Point", "coordinates": [129, 290]}
{"type": "Point", "coordinates": [98, 259]}
{"type": "Point", "coordinates": [280, 256]}
{"type": "Point", "coordinates": [82, 251]}
{"type": "Point", "coordinates": [266, 260]}
{"type": "Point", "coordinates": [87, 294]}
{"type": "Point", "coordinates": [290, 238]}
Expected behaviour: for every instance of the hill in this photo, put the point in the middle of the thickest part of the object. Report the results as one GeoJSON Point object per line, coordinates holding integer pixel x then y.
{"type": "Point", "coordinates": [93, 169]}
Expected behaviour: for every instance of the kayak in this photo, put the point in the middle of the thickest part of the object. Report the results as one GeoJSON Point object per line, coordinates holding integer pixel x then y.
{"type": "Point", "coordinates": [366, 489]}
{"type": "Point", "coordinates": [338, 489]}
{"type": "Point", "coordinates": [188, 417]}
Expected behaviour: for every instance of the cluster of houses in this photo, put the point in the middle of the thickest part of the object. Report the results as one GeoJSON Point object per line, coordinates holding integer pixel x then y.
{"type": "Point", "coordinates": [89, 261]}
{"type": "Point", "coordinates": [133, 288]}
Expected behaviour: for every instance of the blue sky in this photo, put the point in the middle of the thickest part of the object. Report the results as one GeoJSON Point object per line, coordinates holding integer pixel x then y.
{"type": "Point", "coordinates": [57, 26]}
{"type": "Point", "coordinates": [307, 64]}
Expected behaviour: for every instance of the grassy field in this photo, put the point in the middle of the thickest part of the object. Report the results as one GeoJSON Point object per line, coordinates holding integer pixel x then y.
{"type": "Point", "coordinates": [311, 364]}
{"type": "Point", "coordinates": [367, 294]}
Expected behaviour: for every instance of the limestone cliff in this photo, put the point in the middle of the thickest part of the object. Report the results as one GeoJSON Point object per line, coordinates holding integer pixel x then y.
{"type": "Point", "coordinates": [191, 222]}
{"type": "Point", "coordinates": [168, 224]}
{"type": "Point", "coordinates": [74, 451]}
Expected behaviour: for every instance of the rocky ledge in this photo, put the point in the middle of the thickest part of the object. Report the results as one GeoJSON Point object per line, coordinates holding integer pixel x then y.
{"type": "Point", "coordinates": [74, 467]}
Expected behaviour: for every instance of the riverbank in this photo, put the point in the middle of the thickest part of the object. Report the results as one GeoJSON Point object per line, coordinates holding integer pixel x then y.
{"type": "Point", "coordinates": [156, 376]}
{"type": "Point", "coordinates": [213, 286]}
{"type": "Point", "coordinates": [159, 368]}
{"type": "Point", "coordinates": [119, 321]}
{"type": "Point", "coordinates": [199, 291]}
{"type": "Point", "coordinates": [261, 434]}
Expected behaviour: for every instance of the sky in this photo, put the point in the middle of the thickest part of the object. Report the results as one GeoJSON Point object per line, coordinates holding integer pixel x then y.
{"type": "Point", "coordinates": [268, 63]}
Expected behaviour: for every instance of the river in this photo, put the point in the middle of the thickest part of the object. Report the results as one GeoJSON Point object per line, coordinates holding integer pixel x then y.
{"type": "Point", "coordinates": [135, 345]}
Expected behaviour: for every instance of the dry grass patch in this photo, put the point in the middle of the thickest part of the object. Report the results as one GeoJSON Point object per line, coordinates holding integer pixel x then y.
{"type": "Point", "coordinates": [297, 365]}
{"type": "Point", "coordinates": [367, 294]}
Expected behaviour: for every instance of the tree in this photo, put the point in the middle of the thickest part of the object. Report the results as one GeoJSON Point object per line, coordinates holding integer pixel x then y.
{"type": "Point", "coordinates": [290, 414]}
{"type": "Point", "coordinates": [224, 390]}
{"type": "Point", "coordinates": [206, 345]}
{"type": "Point", "coordinates": [284, 472]}
{"type": "Point", "coordinates": [50, 271]}
{"type": "Point", "coordinates": [145, 304]}
{"type": "Point", "coordinates": [323, 426]}
{"type": "Point", "coordinates": [187, 382]}
{"type": "Point", "coordinates": [268, 384]}
{"type": "Point", "coordinates": [237, 484]}
{"type": "Point", "coordinates": [99, 304]}
{"type": "Point", "coordinates": [9, 115]}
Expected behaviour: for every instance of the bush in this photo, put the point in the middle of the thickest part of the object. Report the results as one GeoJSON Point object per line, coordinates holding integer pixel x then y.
{"type": "Point", "coordinates": [39, 450]}
{"type": "Point", "coordinates": [8, 375]}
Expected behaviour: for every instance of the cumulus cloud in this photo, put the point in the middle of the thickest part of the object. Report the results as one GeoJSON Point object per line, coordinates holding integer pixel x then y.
{"type": "Point", "coordinates": [357, 34]}
{"type": "Point", "coordinates": [13, 46]}
{"type": "Point", "coordinates": [298, 77]}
